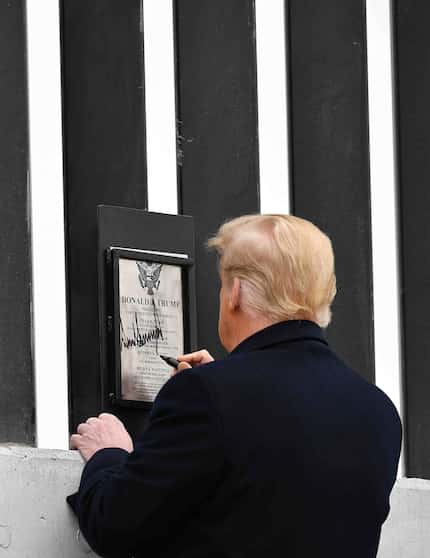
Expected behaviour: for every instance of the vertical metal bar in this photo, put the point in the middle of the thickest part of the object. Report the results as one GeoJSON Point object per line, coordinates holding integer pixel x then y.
{"type": "Point", "coordinates": [16, 357]}
{"type": "Point", "coordinates": [412, 87]}
{"type": "Point", "coordinates": [218, 146]}
{"type": "Point", "coordinates": [330, 157]}
{"type": "Point", "coordinates": [104, 160]}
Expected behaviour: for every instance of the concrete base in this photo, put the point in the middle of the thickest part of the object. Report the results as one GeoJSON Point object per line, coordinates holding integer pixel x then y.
{"type": "Point", "coordinates": [35, 521]}
{"type": "Point", "coordinates": [406, 533]}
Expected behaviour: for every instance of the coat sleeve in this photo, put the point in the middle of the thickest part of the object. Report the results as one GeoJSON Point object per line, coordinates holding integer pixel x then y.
{"type": "Point", "coordinates": [126, 501]}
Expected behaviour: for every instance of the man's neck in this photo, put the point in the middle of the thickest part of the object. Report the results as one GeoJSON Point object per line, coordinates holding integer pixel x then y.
{"type": "Point", "coordinates": [246, 326]}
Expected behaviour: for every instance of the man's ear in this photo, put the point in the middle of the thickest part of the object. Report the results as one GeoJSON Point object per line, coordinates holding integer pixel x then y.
{"type": "Point", "coordinates": [234, 298]}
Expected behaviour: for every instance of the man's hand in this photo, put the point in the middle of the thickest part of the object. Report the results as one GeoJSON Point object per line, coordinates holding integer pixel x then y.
{"type": "Point", "coordinates": [193, 359]}
{"type": "Point", "coordinates": [106, 431]}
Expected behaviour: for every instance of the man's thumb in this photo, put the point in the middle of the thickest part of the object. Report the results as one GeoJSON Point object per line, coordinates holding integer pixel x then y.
{"type": "Point", "coordinates": [181, 366]}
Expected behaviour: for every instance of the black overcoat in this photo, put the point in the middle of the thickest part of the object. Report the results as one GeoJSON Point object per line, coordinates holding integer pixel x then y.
{"type": "Point", "coordinates": [278, 451]}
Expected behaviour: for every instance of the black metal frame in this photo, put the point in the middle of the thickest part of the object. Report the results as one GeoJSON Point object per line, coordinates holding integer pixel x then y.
{"type": "Point", "coordinates": [114, 255]}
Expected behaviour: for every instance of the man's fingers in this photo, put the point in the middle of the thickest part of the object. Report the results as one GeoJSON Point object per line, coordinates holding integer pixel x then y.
{"type": "Point", "coordinates": [182, 366]}
{"type": "Point", "coordinates": [104, 431]}
{"type": "Point", "coordinates": [74, 441]}
{"type": "Point", "coordinates": [82, 428]}
{"type": "Point", "coordinates": [196, 358]}
{"type": "Point", "coordinates": [108, 417]}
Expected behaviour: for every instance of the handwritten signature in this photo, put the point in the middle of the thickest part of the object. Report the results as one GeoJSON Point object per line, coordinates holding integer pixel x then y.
{"type": "Point", "coordinates": [139, 337]}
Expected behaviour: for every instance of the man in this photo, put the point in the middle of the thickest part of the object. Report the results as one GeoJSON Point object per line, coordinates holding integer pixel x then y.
{"type": "Point", "coordinates": [278, 450]}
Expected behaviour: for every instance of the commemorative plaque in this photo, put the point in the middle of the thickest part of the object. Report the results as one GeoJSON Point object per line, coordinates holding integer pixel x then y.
{"type": "Point", "coordinates": [148, 320]}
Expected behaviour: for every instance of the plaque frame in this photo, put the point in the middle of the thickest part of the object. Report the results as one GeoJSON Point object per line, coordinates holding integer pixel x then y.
{"type": "Point", "coordinates": [113, 256]}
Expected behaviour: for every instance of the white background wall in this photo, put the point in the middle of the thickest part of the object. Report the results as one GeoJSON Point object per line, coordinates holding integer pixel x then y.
{"type": "Point", "coordinates": [47, 224]}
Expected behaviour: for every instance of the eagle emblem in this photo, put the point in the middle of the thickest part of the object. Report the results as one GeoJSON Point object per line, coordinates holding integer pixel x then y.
{"type": "Point", "coordinates": [149, 275]}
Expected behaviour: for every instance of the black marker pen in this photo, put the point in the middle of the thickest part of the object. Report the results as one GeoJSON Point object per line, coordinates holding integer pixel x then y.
{"type": "Point", "coordinates": [170, 361]}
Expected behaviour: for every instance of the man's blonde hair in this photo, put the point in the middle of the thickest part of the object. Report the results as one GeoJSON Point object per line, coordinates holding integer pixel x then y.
{"type": "Point", "coordinates": [285, 265]}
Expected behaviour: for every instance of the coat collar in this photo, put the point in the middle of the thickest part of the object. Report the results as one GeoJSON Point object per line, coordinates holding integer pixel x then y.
{"type": "Point", "coordinates": [279, 333]}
